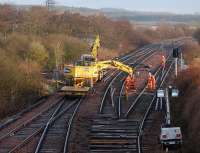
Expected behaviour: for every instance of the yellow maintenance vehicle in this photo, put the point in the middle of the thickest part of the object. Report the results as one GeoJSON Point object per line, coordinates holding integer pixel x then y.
{"type": "Point", "coordinates": [79, 78]}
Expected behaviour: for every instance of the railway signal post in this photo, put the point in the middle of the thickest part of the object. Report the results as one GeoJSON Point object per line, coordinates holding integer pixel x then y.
{"type": "Point", "coordinates": [176, 55]}
{"type": "Point", "coordinates": [169, 135]}
{"type": "Point", "coordinates": [163, 63]}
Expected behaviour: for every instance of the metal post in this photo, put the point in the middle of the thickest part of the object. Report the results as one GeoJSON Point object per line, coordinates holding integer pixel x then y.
{"type": "Point", "coordinates": [181, 61]}
{"type": "Point", "coordinates": [176, 67]}
{"type": "Point", "coordinates": [157, 101]}
{"type": "Point", "coordinates": [163, 70]}
{"type": "Point", "coordinates": [161, 104]}
{"type": "Point", "coordinates": [168, 118]}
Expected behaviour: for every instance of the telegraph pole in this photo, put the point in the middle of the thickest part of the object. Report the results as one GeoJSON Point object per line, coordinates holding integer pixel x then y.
{"type": "Point", "coordinates": [50, 4]}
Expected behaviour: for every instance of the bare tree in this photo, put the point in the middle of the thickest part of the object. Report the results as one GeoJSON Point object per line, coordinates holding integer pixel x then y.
{"type": "Point", "coordinates": [197, 35]}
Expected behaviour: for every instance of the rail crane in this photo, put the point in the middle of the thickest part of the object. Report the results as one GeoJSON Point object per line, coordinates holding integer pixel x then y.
{"type": "Point", "coordinates": [79, 78]}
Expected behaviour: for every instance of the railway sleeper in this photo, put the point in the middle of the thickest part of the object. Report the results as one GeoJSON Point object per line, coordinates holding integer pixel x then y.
{"type": "Point", "coordinates": [112, 137]}
{"type": "Point", "coordinates": [114, 151]}
{"type": "Point", "coordinates": [99, 142]}
{"type": "Point", "coordinates": [106, 116]}
{"type": "Point", "coordinates": [115, 121]}
{"type": "Point", "coordinates": [113, 128]}
{"type": "Point", "coordinates": [112, 131]}
{"type": "Point", "coordinates": [117, 146]}
{"type": "Point", "coordinates": [121, 135]}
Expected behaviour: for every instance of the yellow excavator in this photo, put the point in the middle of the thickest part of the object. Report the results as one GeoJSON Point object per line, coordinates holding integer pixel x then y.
{"type": "Point", "coordinates": [79, 78]}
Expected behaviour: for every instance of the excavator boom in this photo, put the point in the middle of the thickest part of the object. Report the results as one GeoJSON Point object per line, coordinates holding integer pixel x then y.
{"type": "Point", "coordinates": [95, 47]}
{"type": "Point", "coordinates": [115, 64]}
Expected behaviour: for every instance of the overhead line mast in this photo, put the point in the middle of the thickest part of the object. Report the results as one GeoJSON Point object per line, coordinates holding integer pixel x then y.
{"type": "Point", "coordinates": [50, 4]}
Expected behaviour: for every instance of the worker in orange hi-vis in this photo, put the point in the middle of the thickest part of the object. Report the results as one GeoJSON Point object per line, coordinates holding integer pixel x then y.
{"type": "Point", "coordinates": [129, 84]}
{"type": "Point", "coordinates": [153, 80]}
{"type": "Point", "coordinates": [132, 83]}
{"type": "Point", "coordinates": [149, 82]}
{"type": "Point", "coordinates": [163, 61]}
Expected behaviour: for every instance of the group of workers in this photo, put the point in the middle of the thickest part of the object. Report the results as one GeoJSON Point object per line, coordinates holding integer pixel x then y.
{"type": "Point", "coordinates": [151, 81]}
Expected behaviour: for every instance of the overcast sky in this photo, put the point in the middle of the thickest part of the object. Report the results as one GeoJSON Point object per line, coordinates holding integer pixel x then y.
{"type": "Point", "coordinates": [175, 6]}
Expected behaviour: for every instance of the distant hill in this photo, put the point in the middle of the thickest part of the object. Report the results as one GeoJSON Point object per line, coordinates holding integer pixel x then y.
{"type": "Point", "coordinates": [135, 16]}
{"type": "Point", "coordinates": [151, 16]}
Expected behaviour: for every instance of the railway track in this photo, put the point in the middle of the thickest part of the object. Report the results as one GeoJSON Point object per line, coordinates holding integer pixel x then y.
{"type": "Point", "coordinates": [147, 53]}
{"type": "Point", "coordinates": [6, 122]}
{"type": "Point", "coordinates": [79, 141]}
{"type": "Point", "coordinates": [137, 54]}
{"type": "Point", "coordinates": [143, 95]}
{"type": "Point", "coordinates": [10, 140]}
{"type": "Point", "coordinates": [116, 131]}
{"type": "Point", "coordinates": [149, 128]}
{"type": "Point", "coordinates": [21, 117]}
{"type": "Point", "coordinates": [57, 130]}
{"type": "Point", "coordinates": [112, 130]}
{"type": "Point", "coordinates": [143, 105]}
{"type": "Point", "coordinates": [42, 129]}
{"type": "Point", "coordinates": [109, 133]}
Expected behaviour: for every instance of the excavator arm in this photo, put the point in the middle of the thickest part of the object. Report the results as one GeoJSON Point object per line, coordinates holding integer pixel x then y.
{"type": "Point", "coordinates": [95, 47]}
{"type": "Point", "coordinates": [115, 64]}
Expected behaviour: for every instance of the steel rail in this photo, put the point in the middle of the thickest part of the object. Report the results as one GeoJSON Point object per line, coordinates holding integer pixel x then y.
{"type": "Point", "coordinates": [18, 116]}
{"type": "Point", "coordinates": [39, 130]}
{"type": "Point", "coordinates": [141, 93]}
{"type": "Point", "coordinates": [111, 82]}
{"type": "Point", "coordinates": [13, 131]}
{"type": "Point", "coordinates": [47, 126]}
{"type": "Point", "coordinates": [148, 111]}
{"type": "Point", "coordinates": [65, 148]}
{"type": "Point", "coordinates": [54, 117]}
{"type": "Point", "coordinates": [142, 52]}
{"type": "Point", "coordinates": [139, 51]}
{"type": "Point", "coordinates": [122, 87]}
{"type": "Point", "coordinates": [163, 79]}
{"type": "Point", "coordinates": [137, 98]}
{"type": "Point", "coordinates": [44, 128]}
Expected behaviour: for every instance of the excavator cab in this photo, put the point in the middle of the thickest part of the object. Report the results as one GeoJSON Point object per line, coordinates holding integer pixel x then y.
{"type": "Point", "coordinates": [86, 60]}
